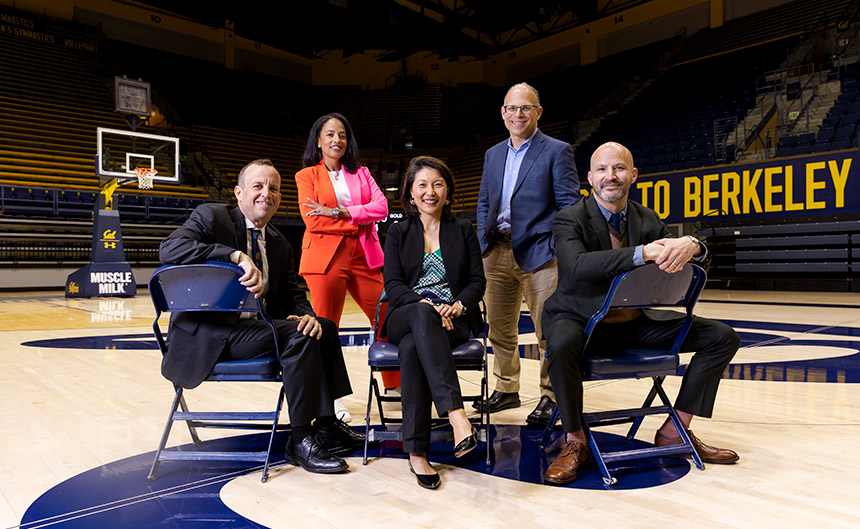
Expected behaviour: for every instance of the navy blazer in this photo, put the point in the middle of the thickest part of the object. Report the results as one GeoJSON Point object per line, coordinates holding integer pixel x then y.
{"type": "Point", "coordinates": [197, 339]}
{"type": "Point", "coordinates": [404, 257]}
{"type": "Point", "coordinates": [587, 263]}
{"type": "Point", "coordinates": [546, 184]}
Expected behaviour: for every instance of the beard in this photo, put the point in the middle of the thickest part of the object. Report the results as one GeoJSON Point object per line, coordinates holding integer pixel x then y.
{"type": "Point", "coordinates": [613, 195]}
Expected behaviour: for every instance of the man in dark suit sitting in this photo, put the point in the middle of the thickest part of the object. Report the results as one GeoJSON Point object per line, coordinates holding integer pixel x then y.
{"type": "Point", "coordinates": [603, 235]}
{"type": "Point", "coordinates": [311, 358]}
{"type": "Point", "coordinates": [527, 179]}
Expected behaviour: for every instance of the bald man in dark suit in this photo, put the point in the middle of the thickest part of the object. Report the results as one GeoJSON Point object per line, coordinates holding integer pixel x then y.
{"type": "Point", "coordinates": [598, 238]}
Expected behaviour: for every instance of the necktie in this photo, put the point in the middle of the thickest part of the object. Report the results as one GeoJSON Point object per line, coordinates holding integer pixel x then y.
{"type": "Point", "coordinates": [615, 220]}
{"type": "Point", "coordinates": [257, 256]}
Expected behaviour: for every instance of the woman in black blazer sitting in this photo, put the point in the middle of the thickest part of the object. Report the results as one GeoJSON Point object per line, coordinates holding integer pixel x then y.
{"type": "Point", "coordinates": [434, 279]}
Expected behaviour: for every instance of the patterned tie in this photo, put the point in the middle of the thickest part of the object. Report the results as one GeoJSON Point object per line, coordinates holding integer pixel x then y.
{"type": "Point", "coordinates": [615, 221]}
{"type": "Point", "coordinates": [255, 249]}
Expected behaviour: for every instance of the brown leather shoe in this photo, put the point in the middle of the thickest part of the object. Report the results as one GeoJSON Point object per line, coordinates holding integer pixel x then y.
{"type": "Point", "coordinates": [709, 454]}
{"type": "Point", "coordinates": [573, 457]}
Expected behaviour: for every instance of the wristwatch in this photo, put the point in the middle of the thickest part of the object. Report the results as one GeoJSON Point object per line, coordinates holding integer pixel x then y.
{"type": "Point", "coordinates": [335, 211]}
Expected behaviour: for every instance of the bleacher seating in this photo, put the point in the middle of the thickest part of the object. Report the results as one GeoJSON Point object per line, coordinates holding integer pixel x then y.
{"type": "Point", "coordinates": [791, 18]}
{"type": "Point", "coordinates": [52, 99]}
{"type": "Point", "coordinates": [839, 130]}
{"type": "Point", "coordinates": [784, 255]}
{"type": "Point", "coordinates": [232, 150]}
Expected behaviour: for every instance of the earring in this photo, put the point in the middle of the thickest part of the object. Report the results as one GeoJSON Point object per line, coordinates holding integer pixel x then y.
{"type": "Point", "coordinates": [447, 200]}
{"type": "Point", "coordinates": [412, 201]}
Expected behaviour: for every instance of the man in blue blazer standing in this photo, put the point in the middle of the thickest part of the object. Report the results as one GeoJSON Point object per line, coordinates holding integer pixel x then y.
{"type": "Point", "coordinates": [527, 179]}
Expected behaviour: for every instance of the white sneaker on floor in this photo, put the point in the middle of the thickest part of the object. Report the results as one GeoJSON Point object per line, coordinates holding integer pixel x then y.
{"type": "Point", "coordinates": [340, 411]}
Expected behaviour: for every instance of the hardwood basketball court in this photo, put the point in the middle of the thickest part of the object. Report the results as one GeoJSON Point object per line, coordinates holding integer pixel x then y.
{"type": "Point", "coordinates": [84, 406]}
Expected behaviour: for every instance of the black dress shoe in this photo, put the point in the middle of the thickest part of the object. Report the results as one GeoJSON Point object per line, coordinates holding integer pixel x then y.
{"type": "Point", "coordinates": [499, 401]}
{"type": "Point", "coordinates": [338, 436]}
{"type": "Point", "coordinates": [312, 457]}
{"type": "Point", "coordinates": [467, 444]}
{"type": "Point", "coordinates": [540, 417]}
{"type": "Point", "coordinates": [428, 481]}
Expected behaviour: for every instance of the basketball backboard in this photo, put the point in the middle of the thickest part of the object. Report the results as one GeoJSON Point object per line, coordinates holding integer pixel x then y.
{"type": "Point", "coordinates": [121, 151]}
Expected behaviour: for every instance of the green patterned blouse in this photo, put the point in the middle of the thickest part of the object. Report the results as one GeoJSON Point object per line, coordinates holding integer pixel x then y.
{"type": "Point", "coordinates": [433, 283]}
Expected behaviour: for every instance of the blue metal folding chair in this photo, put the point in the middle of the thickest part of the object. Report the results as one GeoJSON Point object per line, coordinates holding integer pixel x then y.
{"type": "Point", "coordinates": [643, 287]}
{"type": "Point", "coordinates": [214, 286]}
{"type": "Point", "coordinates": [382, 356]}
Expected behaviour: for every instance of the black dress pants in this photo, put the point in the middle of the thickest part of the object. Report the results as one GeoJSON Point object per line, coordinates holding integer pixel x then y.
{"type": "Point", "coordinates": [427, 369]}
{"type": "Point", "coordinates": [314, 372]}
{"type": "Point", "coordinates": [714, 344]}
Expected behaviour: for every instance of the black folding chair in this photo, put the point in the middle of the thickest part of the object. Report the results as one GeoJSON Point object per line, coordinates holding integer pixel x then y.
{"type": "Point", "coordinates": [382, 356]}
{"type": "Point", "coordinates": [214, 287]}
{"type": "Point", "coordinates": [643, 287]}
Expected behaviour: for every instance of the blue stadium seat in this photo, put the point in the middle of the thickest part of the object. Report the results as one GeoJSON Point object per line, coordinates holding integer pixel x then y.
{"type": "Point", "coordinates": [821, 146]}
{"type": "Point", "coordinates": [784, 150]}
{"type": "Point", "coordinates": [849, 118]}
{"type": "Point", "coordinates": [845, 130]}
{"type": "Point", "coordinates": [826, 134]}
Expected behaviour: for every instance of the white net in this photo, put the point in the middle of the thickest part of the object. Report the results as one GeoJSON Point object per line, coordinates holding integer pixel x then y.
{"type": "Point", "coordinates": [145, 177]}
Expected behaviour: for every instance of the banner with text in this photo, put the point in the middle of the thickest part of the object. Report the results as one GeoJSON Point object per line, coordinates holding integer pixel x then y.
{"type": "Point", "coordinates": [820, 184]}
{"type": "Point", "coordinates": [33, 28]}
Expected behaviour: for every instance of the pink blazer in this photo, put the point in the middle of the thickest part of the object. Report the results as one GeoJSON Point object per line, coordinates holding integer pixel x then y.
{"type": "Point", "coordinates": [323, 234]}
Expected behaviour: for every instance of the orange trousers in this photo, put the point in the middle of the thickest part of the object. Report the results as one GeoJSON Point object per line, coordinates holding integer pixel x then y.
{"type": "Point", "coordinates": [348, 272]}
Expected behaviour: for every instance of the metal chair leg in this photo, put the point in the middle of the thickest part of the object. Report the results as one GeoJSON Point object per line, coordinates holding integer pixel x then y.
{"type": "Point", "coordinates": [375, 388]}
{"type": "Point", "coordinates": [547, 432]}
{"type": "Point", "coordinates": [190, 423]}
{"type": "Point", "coordinates": [281, 396]}
{"type": "Point", "coordinates": [367, 418]}
{"type": "Point", "coordinates": [608, 479]}
{"type": "Point", "coordinates": [177, 399]}
{"type": "Point", "coordinates": [486, 409]}
{"type": "Point", "coordinates": [680, 427]}
{"type": "Point", "coordinates": [637, 422]}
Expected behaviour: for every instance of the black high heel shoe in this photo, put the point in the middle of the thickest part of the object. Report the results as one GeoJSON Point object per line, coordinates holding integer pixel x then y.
{"type": "Point", "coordinates": [428, 481]}
{"type": "Point", "coordinates": [467, 444]}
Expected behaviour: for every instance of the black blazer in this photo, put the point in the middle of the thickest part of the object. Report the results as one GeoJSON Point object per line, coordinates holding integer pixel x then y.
{"type": "Point", "coordinates": [586, 261]}
{"type": "Point", "coordinates": [404, 255]}
{"type": "Point", "coordinates": [212, 233]}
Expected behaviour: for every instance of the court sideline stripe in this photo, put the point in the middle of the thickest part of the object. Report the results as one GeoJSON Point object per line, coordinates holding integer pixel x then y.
{"type": "Point", "coordinates": [118, 504]}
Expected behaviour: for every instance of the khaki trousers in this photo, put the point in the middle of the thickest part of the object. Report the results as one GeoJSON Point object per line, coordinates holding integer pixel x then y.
{"type": "Point", "coordinates": [507, 286]}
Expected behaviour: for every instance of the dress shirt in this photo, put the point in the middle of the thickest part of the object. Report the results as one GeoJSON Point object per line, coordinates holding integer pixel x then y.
{"type": "Point", "coordinates": [513, 161]}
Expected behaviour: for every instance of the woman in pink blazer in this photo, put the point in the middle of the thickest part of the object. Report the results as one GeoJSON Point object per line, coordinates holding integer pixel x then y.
{"type": "Point", "coordinates": [341, 204]}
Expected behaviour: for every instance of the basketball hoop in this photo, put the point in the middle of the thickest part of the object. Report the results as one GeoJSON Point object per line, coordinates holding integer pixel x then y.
{"type": "Point", "coordinates": [144, 177]}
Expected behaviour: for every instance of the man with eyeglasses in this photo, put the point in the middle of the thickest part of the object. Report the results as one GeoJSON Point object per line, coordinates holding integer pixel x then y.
{"type": "Point", "coordinates": [527, 179]}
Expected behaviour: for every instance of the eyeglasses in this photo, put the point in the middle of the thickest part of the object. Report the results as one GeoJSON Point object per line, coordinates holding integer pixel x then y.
{"type": "Point", "coordinates": [526, 109]}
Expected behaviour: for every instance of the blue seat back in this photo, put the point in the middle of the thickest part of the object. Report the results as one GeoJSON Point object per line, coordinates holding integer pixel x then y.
{"type": "Point", "coordinates": [209, 286]}
{"type": "Point", "coordinates": [650, 287]}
